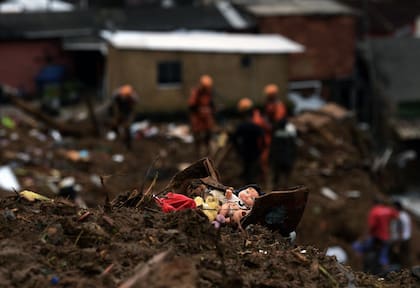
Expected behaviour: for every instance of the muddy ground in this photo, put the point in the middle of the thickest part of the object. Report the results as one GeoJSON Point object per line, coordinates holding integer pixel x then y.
{"type": "Point", "coordinates": [56, 243]}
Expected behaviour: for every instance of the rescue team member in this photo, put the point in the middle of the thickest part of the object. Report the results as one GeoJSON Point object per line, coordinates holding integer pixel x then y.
{"type": "Point", "coordinates": [124, 100]}
{"type": "Point", "coordinates": [248, 140]}
{"type": "Point", "coordinates": [404, 231]}
{"type": "Point", "coordinates": [201, 107]}
{"type": "Point", "coordinates": [280, 153]}
{"type": "Point", "coordinates": [283, 152]}
{"type": "Point", "coordinates": [274, 108]}
{"type": "Point", "coordinates": [379, 222]}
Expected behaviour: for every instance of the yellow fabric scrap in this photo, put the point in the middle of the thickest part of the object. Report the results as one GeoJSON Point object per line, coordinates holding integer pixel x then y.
{"type": "Point", "coordinates": [32, 196]}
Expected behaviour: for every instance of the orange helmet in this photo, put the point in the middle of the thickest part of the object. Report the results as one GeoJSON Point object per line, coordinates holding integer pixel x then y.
{"type": "Point", "coordinates": [271, 90]}
{"type": "Point", "coordinates": [206, 81]}
{"type": "Point", "coordinates": [245, 104]}
{"type": "Point", "coordinates": [126, 90]}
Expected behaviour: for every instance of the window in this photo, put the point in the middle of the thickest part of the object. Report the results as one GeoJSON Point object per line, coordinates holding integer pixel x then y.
{"type": "Point", "coordinates": [169, 73]}
{"type": "Point", "coordinates": [246, 61]}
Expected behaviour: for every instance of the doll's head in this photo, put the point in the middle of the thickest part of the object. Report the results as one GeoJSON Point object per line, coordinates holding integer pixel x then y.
{"type": "Point", "coordinates": [248, 196]}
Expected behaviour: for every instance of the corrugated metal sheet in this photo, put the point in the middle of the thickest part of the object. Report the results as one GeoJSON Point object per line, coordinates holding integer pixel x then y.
{"type": "Point", "coordinates": [296, 7]}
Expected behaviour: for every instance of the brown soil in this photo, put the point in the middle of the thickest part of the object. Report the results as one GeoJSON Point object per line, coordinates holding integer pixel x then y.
{"type": "Point", "coordinates": [42, 243]}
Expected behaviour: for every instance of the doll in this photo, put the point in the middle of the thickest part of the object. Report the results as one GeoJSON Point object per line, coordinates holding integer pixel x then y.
{"type": "Point", "coordinates": [236, 207]}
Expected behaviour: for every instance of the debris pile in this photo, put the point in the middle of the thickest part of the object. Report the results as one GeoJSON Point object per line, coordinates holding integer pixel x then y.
{"type": "Point", "coordinates": [124, 242]}
{"type": "Point", "coordinates": [57, 243]}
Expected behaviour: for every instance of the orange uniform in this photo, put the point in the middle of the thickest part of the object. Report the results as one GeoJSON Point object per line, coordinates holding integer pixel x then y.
{"type": "Point", "coordinates": [202, 110]}
{"type": "Point", "coordinates": [275, 110]}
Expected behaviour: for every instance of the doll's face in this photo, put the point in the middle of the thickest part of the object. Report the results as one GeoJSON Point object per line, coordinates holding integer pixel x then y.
{"type": "Point", "coordinates": [248, 196]}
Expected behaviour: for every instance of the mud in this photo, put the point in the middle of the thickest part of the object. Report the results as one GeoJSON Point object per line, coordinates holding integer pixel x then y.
{"type": "Point", "coordinates": [56, 243]}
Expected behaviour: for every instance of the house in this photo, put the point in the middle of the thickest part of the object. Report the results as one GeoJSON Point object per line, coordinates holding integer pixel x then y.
{"type": "Point", "coordinates": [385, 17]}
{"type": "Point", "coordinates": [387, 57]}
{"type": "Point", "coordinates": [18, 6]}
{"type": "Point", "coordinates": [163, 66]}
{"type": "Point", "coordinates": [31, 41]}
{"type": "Point", "coordinates": [327, 30]}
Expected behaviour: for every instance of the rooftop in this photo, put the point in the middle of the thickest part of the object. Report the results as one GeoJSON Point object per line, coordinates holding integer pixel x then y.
{"type": "Point", "coordinates": [294, 7]}
{"type": "Point", "coordinates": [203, 42]}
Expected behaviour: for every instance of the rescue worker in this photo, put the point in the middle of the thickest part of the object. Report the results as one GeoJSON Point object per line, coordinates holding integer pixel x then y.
{"type": "Point", "coordinates": [123, 104]}
{"type": "Point", "coordinates": [283, 152]}
{"type": "Point", "coordinates": [282, 140]}
{"type": "Point", "coordinates": [201, 108]}
{"type": "Point", "coordinates": [274, 108]}
{"type": "Point", "coordinates": [376, 248]}
{"type": "Point", "coordinates": [248, 140]}
{"type": "Point", "coordinates": [404, 228]}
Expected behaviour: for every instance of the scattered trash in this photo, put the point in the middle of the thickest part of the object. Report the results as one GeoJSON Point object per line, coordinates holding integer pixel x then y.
{"type": "Point", "coordinates": [111, 136]}
{"type": "Point", "coordinates": [353, 194]}
{"type": "Point", "coordinates": [76, 156]}
{"type": "Point", "coordinates": [56, 135]}
{"type": "Point", "coordinates": [405, 157]}
{"type": "Point", "coordinates": [37, 135]}
{"type": "Point", "coordinates": [55, 280]}
{"type": "Point", "coordinates": [139, 126]}
{"type": "Point", "coordinates": [68, 188]}
{"type": "Point", "coordinates": [181, 132]}
{"type": "Point", "coordinates": [329, 193]}
{"type": "Point", "coordinates": [14, 136]}
{"type": "Point", "coordinates": [291, 238]}
{"type": "Point", "coordinates": [32, 196]}
{"type": "Point", "coordinates": [8, 122]}
{"type": "Point", "coordinates": [8, 180]}
{"type": "Point", "coordinates": [304, 103]}
{"type": "Point", "coordinates": [96, 180]}
{"type": "Point", "coordinates": [152, 131]}
{"type": "Point", "coordinates": [338, 252]}
{"type": "Point", "coordinates": [119, 158]}
{"type": "Point", "coordinates": [327, 172]}
{"type": "Point", "coordinates": [381, 161]}
{"type": "Point", "coordinates": [25, 157]}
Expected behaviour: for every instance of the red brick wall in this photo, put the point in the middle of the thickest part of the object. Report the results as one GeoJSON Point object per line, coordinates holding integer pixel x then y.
{"type": "Point", "coordinates": [329, 43]}
{"type": "Point", "coordinates": [20, 61]}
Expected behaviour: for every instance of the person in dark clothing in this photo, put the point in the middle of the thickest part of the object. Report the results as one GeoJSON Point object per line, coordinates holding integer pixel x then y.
{"type": "Point", "coordinates": [248, 139]}
{"type": "Point", "coordinates": [283, 152]}
{"type": "Point", "coordinates": [123, 105]}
